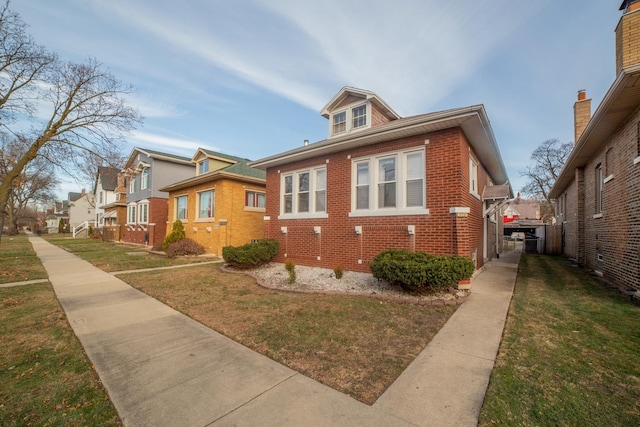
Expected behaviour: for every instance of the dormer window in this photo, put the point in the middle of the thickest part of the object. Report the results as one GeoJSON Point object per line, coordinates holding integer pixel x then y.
{"type": "Point", "coordinates": [359, 115]}
{"type": "Point", "coordinates": [339, 122]}
{"type": "Point", "coordinates": [203, 166]}
{"type": "Point", "coordinates": [350, 119]}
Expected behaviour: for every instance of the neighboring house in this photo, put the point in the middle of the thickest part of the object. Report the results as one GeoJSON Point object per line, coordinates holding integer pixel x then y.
{"type": "Point", "coordinates": [432, 182]}
{"type": "Point", "coordinates": [520, 209]}
{"type": "Point", "coordinates": [598, 189]}
{"type": "Point", "coordinates": [81, 208]}
{"type": "Point", "coordinates": [115, 213]}
{"type": "Point", "coordinates": [146, 171]}
{"type": "Point", "coordinates": [223, 205]}
{"type": "Point", "coordinates": [105, 191]}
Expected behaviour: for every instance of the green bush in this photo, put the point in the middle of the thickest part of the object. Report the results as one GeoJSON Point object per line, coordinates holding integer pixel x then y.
{"type": "Point", "coordinates": [291, 268]}
{"type": "Point", "coordinates": [184, 247]}
{"type": "Point", "coordinates": [177, 233]}
{"type": "Point", "coordinates": [420, 270]}
{"type": "Point", "coordinates": [251, 255]}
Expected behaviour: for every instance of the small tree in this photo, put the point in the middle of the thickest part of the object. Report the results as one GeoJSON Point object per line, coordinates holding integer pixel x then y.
{"type": "Point", "coordinates": [177, 233]}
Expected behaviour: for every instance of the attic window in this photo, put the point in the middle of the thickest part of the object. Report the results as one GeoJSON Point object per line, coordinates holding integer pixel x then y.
{"type": "Point", "coordinates": [203, 166]}
{"type": "Point", "coordinates": [350, 119]}
{"type": "Point", "coordinates": [339, 122]}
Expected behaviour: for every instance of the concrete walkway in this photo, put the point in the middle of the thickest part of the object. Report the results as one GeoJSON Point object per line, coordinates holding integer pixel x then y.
{"type": "Point", "coordinates": [162, 368]}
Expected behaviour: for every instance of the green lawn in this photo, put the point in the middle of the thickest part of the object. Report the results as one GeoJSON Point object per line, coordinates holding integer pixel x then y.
{"type": "Point", "coordinates": [18, 262]}
{"type": "Point", "coordinates": [570, 354]}
{"type": "Point", "coordinates": [45, 376]}
{"type": "Point", "coordinates": [110, 256]}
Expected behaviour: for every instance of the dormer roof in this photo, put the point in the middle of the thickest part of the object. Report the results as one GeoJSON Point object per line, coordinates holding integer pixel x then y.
{"type": "Point", "coordinates": [347, 91]}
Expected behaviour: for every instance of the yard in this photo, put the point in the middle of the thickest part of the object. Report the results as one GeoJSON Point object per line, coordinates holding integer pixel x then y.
{"type": "Point", "coordinates": [569, 354]}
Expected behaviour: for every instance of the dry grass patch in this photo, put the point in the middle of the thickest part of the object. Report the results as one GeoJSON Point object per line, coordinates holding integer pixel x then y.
{"type": "Point", "coordinates": [354, 344]}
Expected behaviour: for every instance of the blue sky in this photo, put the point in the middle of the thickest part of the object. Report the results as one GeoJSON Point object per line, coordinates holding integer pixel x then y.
{"type": "Point", "coordinates": [249, 78]}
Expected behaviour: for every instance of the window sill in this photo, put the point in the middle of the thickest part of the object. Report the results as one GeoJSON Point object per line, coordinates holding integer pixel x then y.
{"type": "Point", "coordinates": [636, 160]}
{"type": "Point", "coordinates": [319, 215]}
{"type": "Point", "coordinates": [394, 212]}
{"type": "Point", "coordinates": [598, 215]}
{"type": "Point", "coordinates": [476, 195]}
{"type": "Point", "coordinates": [204, 220]}
{"type": "Point", "coordinates": [250, 209]}
{"type": "Point", "coordinates": [607, 179]}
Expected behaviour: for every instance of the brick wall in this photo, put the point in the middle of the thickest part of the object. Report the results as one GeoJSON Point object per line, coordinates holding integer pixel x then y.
{"type": "Point", "coordinates": [628, 40]}
{"type": "Point", "coordinates": [440, 232]}
{"type": "Point", "coordinates": [156, 227]}
{"type": "Point", "coordinates": [232, 225]}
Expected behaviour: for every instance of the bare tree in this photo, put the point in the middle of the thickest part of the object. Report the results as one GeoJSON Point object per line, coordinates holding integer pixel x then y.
{"type": "Point", "coordinates": [546, 163]}
{"type": "Point", "coordinates": [84, 106]}
{"type": "Point", "coordinates": [35, 184]}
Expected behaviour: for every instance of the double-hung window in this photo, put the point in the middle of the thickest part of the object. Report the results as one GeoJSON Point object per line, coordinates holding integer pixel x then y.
{"type": "Point", "coordinates": [203, 166]}
{"type": "Point", "coordinates": [304, 193]}
{"type": "Point", "coordinates": [131, 213]}
{"type": "Point", "coordinates": [339, 122]}
{"type": "Point", "coordinates": [144, 179]}
{"type": "Point", "coordinates": [132, 184]}
{"type": "Point", "coordinates": [206, 203]}
{"type": "Point", "coordinates": [143, 213]}
{"type": "Point", "coordinates": [181, 208]}
{"type": "Point", "coordinates": [359, 116]}
{"type": "Point", "coordinates": [255, 199]}
{"type": "Point", "coordinates": [389, 184]}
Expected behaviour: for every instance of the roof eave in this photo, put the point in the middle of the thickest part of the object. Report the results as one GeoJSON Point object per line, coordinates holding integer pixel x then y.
{"type": "Point", "coordinates": [212, 176]}
{"type": "Point", "coordinates": [607, 118]}
{"type": "Point", "coordinates": [473, 121]}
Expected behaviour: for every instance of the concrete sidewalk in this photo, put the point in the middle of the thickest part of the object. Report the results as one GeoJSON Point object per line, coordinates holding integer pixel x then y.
{"type": "Point", "coordinates": [162, 368]}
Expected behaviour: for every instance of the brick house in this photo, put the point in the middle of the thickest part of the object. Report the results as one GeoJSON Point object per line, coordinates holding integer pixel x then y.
{"type": "Point", "coordinates": [145, 172]}
{"type": "Point", "coordinates": [431, 182]}
{"type": "Point", "coordinates": [597, 193]}
{"type": "Point", "coordinates": [223, 205]}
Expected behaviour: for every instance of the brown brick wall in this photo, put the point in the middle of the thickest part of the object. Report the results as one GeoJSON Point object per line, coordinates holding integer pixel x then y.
{"type": "Point", "coordinates": [628, 40]}
{"type": "Point", "coordinates": [447, 185]}
{"type": "Point", "coordinates": [616, 233]}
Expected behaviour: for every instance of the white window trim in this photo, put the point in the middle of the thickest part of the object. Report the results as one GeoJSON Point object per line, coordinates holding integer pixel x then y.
{"type": "Point", "coordinates": [201, 163]}
{"type": "Point", "coordinates": [401, 179]}
{"type": "Point", "coordinates": [139, 212]}
{"type": "Point", "coordinates": [144, 183]}
{"type": "Point", "coordinates": [473, 177]}
{"type": "Point", "coordinates": [348, 109]}
{"type": "Point", "coordinates": [213, 200]}
{"type": "Point", "coordinates": [132, 184]}
{"type": "Point", "coordinates": [175, 208]}
{"type": "Point", "coordinates": [294, 195]}
{"type": "Point", "coordinates": [130, 206]}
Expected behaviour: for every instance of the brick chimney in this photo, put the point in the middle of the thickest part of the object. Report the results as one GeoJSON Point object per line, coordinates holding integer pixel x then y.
{"type": "Point", "coordinates": [628, 35]}
{"type": "Point", "coordinates": [581, 114]}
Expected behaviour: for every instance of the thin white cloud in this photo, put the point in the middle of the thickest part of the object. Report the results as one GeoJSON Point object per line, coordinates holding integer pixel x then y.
{"type": "Point", "coordinates": [155, 109]}
{"type": "Point", "coordinates": [174, 145]}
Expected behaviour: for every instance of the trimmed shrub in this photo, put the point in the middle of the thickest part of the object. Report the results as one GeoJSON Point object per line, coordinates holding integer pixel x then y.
{"type": "Point", "coordinates": [177, 233]}
{"type": "Point", "coordinates": [420, 270]}
{"type": "Point", "coordinates": [184, 247]}
{"type": "Point", "coordinates": [251, 255]}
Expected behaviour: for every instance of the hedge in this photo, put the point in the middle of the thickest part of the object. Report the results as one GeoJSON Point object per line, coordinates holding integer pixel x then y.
{"type": "Point", "coordinates": [251, 255]}
{"type": "Point", "coordinates": [420, 270]}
